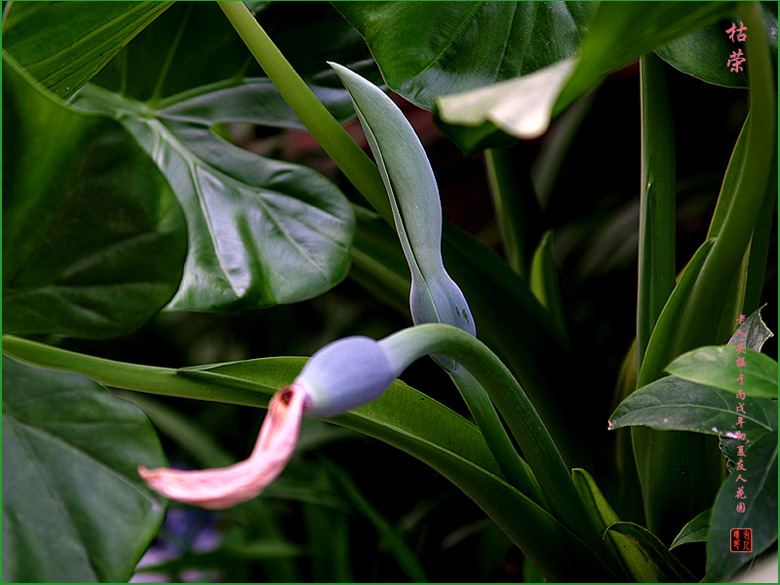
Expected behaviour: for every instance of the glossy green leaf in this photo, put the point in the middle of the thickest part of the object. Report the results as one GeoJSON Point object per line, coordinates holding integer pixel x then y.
{"type": "Point", "coordinates": [64, 44]}
{"type": "Point", "coordinates": [619, 33]}
{"type": "Point", "coordinates": [630, 555]}
{"type": "Point", "coordinates": [717, 366]}
{"type": "Point", "coordinates": [261, 231]}
{"type": "Point", "coordinates": [426, 50]}
{"type": "Point", "coordinates": [672, 404]}
{"type": "Point", "coordinates": [74, 508]}
{"type": "Point", "coordinates": [697, 530]}
{"type": "Point", "coordinates": [668, 567]}
{"type": "Point", "coordinates": [760, 515]}
{"type": "Point", "coordinates": [93, 239]}
{"type": "Point", "coordinates": [705, 52]}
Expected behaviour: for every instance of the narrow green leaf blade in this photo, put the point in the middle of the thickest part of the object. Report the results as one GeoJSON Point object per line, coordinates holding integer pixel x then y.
{"type": "Point", "coordinates": [93, 239]}
{"type": "Point", "coordinates": [74, 507]}
{"type": "Point", "coordinates": [545, 283]}
{"type": "Point", "coordinates": [717, 366]}
{"type": "Point", "coordinates": [64, 44]}
{"type": "Point", "coordinates": [760, 488]}
{"type": "Point", "coordinates": [669, 568]}
{"type": "Point", "coordinates": [630, 555]}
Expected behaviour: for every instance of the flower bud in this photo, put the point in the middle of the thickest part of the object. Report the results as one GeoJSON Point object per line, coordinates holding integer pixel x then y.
{"type": "Point", "coordinates": [345, 374]}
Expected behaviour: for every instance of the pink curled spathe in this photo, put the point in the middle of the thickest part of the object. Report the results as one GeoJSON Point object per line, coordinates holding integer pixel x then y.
{"type": "Point", "coordinates": [224, 487]}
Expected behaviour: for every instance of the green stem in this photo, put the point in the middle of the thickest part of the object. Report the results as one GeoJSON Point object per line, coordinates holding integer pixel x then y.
{"type": "Point", "coordinates": [147, 379]}
{"type": "Point", "coordinates": [348, 156]}
{"type": "Point", "coordinates": [516, 470]}
{"type": "Point", "coordinates": [657, 201]}
{"type": "Point", "coordinates": [532, 436]}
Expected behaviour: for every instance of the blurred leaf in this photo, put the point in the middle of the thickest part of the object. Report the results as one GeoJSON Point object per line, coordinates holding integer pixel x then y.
{"type": "Point", "coordinates": [74, 508]}
{"type": "Point", "coordinates": [696, 530]}
{"type": "Point", "coordinates": [704, 53]}
{"type": "Point", "coordinates": [261, 231]}
{"type": "Point", "coordinates": [225, 556]}
{"type": "Point", "coordinates": [422, 427]}
{"type": "Point", "coordinates": [668, 567]}
{"type": "Point", "coordinates": [630, 555]}
{"type": "Point", "coordinates": [760, 511]}
{"type": "Point", "coordinates": [93, 239]}
{"type": "Point", "coordinates": [619, 33]}
{"type": "Point", "coordinates": [672, 404]}
{"type": "Point", "coordinates": [755, 330]}
{"type": "Point", "coordinates": [716, 366]}
{"type": "Point", "coordinates": [64, 44]}
{"type": "Point", "coordinates": [545, 282]}
{"type": "Point", "coordinates": [426, 50]}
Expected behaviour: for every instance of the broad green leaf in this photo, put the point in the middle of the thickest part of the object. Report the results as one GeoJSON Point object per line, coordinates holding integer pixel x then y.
{"type": "Point", "coordinates": [64, 44]}
{"type": "Point", "coordinates": [704, 53]}
{"type": "Point", "coordinates": [422, 427]}
{"type": "Point", "coordinates": [667, 565]}
{"type": "Point", "coordinates": [426, 50]}
{"type": "Point", "coordinates": [697, 530]}
{"type": "Point", "coordinates": [619, 33]}
{"type": "Point", "coordinates": [74, 508]}
{"type": "Point", "coordinates": [717, 366]}
{"type": "Point", "coordinates": [672, 404]}
{"type": "Point", "coordinates": [93, 239]}
{"type": "Point", "coordinates": [630, 555]}
{"type": "Point", "coordinates": [755, 332]}
{"type": "Point", "coordinates": [261, 231]}
{"type": "Point", "coordinates": [760, 489]}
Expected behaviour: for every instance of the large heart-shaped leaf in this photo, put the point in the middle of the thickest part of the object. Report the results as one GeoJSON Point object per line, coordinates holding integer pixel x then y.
{"type": "Point", "coordinates": [74, 508]}
{"type": "Point", "coordinates": [261, 231]}
{"type": "Point", "coordinates": [93, 239]}
{"type": "Point", "coordinates": [760, 515]}
{"type": "Point", "coordinates": [64, 44]}
{"type": "Point", "coordinates": [429, 49]}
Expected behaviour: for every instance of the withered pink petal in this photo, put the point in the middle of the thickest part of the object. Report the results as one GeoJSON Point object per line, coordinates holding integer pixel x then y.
{"type": "Point", "coordinates": [217, 489]}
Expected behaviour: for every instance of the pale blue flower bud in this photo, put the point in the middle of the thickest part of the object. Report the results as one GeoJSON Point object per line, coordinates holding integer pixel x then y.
{"type": "Point", "coordinates": [345, 374]}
